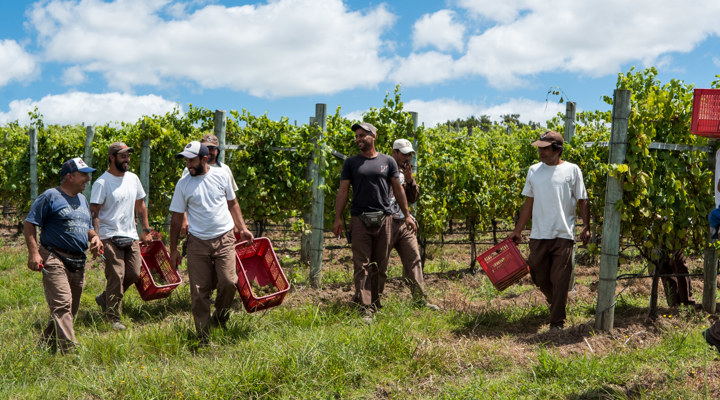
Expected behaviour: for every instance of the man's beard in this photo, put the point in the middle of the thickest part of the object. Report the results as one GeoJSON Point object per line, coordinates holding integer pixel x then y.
{"type": "Point", "coordinates": [211, 158]}
{"type": "Point", "coordinates": [122, 166]}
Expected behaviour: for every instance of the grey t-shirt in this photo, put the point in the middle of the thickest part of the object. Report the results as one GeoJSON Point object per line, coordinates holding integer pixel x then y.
{"type": "Point", "coordinates": [370, 180]}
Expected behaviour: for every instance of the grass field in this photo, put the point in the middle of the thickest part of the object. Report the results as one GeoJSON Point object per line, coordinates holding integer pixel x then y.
{"type": "Point", "coordinates": [482, 344]}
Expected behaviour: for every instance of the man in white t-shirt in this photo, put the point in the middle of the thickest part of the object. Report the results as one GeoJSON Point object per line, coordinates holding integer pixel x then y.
{"type": "Point", "coordinates": [553, 189]}
{"type": "Point", "coordinates": [206, 195]}
{"type": "Point", "coordinates": [116, 199]}
{"type": "Point", "coordinates": [213, 145]}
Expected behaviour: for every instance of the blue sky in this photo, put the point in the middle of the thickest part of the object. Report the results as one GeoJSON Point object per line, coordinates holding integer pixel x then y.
{"type": "Point", "coordinates": [94, 62]}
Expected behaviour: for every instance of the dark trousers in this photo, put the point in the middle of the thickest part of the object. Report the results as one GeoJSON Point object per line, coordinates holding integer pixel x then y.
{"type": "Point", "coordinates": [404, 241]}
{"type": "Point", "coordinates": [550, 269]}
{"type": "Point", "coordinates": [678, 289]}
{"type": "Point", "coordinates": [370, 248]}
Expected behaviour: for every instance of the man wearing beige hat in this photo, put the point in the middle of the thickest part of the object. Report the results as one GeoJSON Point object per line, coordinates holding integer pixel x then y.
{"type": "Point", "coordinates": [373, 176]}
{"type": "Point", "coordinates": [116, 200]}
{"type": "Point", "coordinates": [553, 190]}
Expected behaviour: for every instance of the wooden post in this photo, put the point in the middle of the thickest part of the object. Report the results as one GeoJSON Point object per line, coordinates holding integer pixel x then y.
{"type": "Point", "coordinates": [710, 266]}
{"type": "Point", "coordinates": [318, 197]}
{"type": "Point", "coordinates": [219, 130]}
{"type": "Point", "coordinates": [306, 238]}
{"type": "Point", "coordinates": [604, 316]}
{"type": "Point", "coordinates": [413, 159]}
{"type": "Point", "coordinates": [570, 107]}
{"type": "Point", "coordinates": [87, 157]}
{"type": "Point", "coordinates": [33, 164]}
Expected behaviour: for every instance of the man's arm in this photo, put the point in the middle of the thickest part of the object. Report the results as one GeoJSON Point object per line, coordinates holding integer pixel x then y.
{"type": "Point", "coordinates": [525, 215]}
{"type": "Point", "coordinates": [412, 190]}
{"type": "Point", "coordinates": [141, 214]}
{"type": "Point", "coordinates": [584, 208]}
{"type": "Point", "coordinates": [175, 223]}
{"type": "Point", "coordinates": [34, 259]}
{"type": "Point", "coordinates": [96, 246]}
{"type": "Point", "coordinates": [243, 231]}
{"type": "Point", "coordinates": [402, 202]}
{"type": "Point", "coordinates": [95, 214]}
{"type": "Point", "coordinates": [340, 203]}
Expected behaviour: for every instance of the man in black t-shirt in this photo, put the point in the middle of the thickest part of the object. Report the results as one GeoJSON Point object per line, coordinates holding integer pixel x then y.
{"type": "Point", "coordinates": [372, 175]}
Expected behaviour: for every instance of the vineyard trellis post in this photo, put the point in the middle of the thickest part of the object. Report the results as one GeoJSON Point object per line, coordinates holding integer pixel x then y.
{"type": "Point", "coordinates": [87, 155]}
{"type": "Point", "coordinates": [32, 133]}
{"type": "Point", "coordinates": [219, 129]}
{"type": "Point", "coordinates": [604, 317]}
{"type": "Point", "coordinates": [570, 108]}
{"type": "Point", "coordinates": [710, 256]}
{"type": "Point", "coordinates": [318, 196]}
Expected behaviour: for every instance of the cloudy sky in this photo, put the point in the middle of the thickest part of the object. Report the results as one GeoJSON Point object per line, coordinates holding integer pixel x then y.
{"type": "Point", "coordinates": [93, 61]}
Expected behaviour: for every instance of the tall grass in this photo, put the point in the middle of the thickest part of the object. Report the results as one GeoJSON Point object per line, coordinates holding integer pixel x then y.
{"type": "Point", "coordinates": [324, 350]}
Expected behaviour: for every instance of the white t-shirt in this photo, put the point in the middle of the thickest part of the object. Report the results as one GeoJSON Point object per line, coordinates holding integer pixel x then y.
{"type": "Point", "coordinates": [204, 198]}
{"type": "Point", "coordinates": [117, 195]}
{"type": "Point", "coordinates": [223, 167]}
{"type": "Point", "coordinates": [555, 190]}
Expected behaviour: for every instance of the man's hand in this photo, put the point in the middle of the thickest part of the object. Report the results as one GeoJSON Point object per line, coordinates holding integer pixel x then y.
{"type": "Point", "coordinates": [585, 234]}
{"type": "Point", "coordinates": [406, 170]}
{"type": "Point", "coordinates": [146, 237]}
{"type": "Point", "coordinates": [243, 235]}
{"type": "Point", "coordinates": [410, 223]}
{"type": "Point", "coordinates": [175, 258]}
{"type": "Point", "coordinates": [96, 246]}
{"type": "Point", "coordinates": [516, 237]}
{"type": "Point", "coordinates": [34, 262]}
{"type": "Point", "coordinates": [337, 227]}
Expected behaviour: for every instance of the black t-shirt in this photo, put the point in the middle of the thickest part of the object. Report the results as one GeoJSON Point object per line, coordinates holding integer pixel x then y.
{"type": "Point", "coordinates": [370, 180]}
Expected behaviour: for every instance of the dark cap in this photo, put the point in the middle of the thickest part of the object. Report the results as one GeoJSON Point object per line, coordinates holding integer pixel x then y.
{"type": "Point", "coordinates": [210, 140]}
{"type": "Point", "coordinates": [366, 126]}
{"type": "Point", "coordinates": [119, 147]}
{"type": "Point", "coordinates": [75, 164]}
{"type": "Point", "coordinates": [193, 149]}
{"type": "Point", "coordinates": [548, 138]}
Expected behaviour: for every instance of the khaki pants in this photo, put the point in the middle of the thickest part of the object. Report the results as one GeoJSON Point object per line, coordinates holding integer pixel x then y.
{"type": "Point", "coordinates": [370, 248]}
{"type": "Point", "coordinates": [211, 265]}
{"type": "Point", "coordinates": [550, 269]}
{"type": "Point", "coordinates": [63, 289]}
{"type": "Point", "coordinates": [404, 241]}
{"type": "Point", "coordinates": [122, 270]}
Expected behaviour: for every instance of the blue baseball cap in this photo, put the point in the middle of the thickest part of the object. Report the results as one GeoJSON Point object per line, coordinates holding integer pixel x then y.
{"type": "Point", "coordinates": [75, 164]}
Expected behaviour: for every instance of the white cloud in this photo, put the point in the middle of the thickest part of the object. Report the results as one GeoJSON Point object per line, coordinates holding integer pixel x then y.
{"type": "Point", "coordinates": [73, 76]}
{"type": "Point", "coordinates": [593, 38]}
{"type": "Point", "coordinates": [439, 111]}
{"type": "Point", "coordinates": [424, 68]}
{"type": "Point", "coordinates": [274, 49]}
{"type": "Point", "coordinates": [91, 109]}
{"type": "Point", "coordinates": [15, 63]}
{"type": "Point", "coordinates": [438, 30]}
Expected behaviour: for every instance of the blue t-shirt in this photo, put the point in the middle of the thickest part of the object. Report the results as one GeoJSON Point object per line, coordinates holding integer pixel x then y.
{"type": "Point", "coordinates": [65, 220]}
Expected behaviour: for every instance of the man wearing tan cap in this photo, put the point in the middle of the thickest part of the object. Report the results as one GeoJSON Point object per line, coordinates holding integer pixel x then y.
{"type": "Point", "coordinates": [116, 200]}
{"type": "Point", "coordinates": [373, 177]}
{"type": "Point", "coordinates": [553, 189]}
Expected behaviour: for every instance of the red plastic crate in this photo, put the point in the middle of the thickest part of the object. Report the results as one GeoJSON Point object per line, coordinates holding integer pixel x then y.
{"type": "Point", "coordinates": [504, 264]}
{"type": "Point", "coordinates": [706, 113]}
{"type": "Point", "coordinates": [155, 258]}
{"type": "Point", "coordinates": [257, 262]}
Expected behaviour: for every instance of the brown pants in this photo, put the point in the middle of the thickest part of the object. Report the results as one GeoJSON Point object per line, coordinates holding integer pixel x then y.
{"type": "Point", "coordinates": [211, 265]}
{"type": "Point", "coordinates": [678, 289]}
{"type": "Point", "coordinates": [370, 248]}
{"type": "Point", "coordinates": [122, 270]}
{"type": "Point", "coordinates": [550, 269]}
{"type": "Point", "coordinates": [63, 289]}
{"type": "Point", "coordinates": [714, 330]}
{"type": "Point", "coordinates": [404, 241]}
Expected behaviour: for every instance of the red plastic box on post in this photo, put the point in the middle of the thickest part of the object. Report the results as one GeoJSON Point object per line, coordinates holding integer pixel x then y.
{"type": "Point", "coordinates": [503, 264]}
{"type": "Point", "coordinates": [256, 262]}
{"type": "Point", "coordinates": [706, 113]}
{"type": "Point", "coordinates": [155, 258]}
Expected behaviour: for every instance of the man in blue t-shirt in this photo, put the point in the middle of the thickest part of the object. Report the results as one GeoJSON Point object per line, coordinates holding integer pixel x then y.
{"type": "Point", "coordinates": [63, 215]}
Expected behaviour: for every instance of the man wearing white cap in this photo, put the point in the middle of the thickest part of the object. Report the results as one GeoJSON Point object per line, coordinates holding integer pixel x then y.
{"type": "Point", "coordinates": [116, 199]}
{"type": "Point", "coordinates": [553, 190]}
{"type": "Point", "coordinates": [403, 239]}
{"type": "Point", "coordinates": [206, 195]}
{"type": "Point", "coordinates": [63, 215]}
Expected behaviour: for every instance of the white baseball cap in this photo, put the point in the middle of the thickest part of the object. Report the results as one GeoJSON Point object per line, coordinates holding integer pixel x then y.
{"type": "Point", "coordinates": [403, 145]}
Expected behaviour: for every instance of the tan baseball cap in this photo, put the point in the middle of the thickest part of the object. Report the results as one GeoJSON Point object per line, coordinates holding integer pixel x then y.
{"type": "Point", "coordinates": [119, 147]}
{"type": "Point", "coordinates": [548, 138]}
{"type": "Point", "coordinates": [366, 126]}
